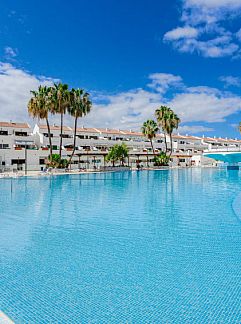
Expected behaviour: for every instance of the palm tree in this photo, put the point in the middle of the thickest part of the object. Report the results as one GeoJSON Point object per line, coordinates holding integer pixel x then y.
{"type": "Point", "coordinates": [39, 107]}
{"type": "Point", "coordinates": [171, 122]}
{"type": "Point", "coordinates": [112, 156]}
{"type": "Point", "coordinates": [161, 114]}
{"type": "Point", "coordinates": [122, 152]}
{"type": "Point", "coordinates": [150, 129]}
{"type": "Point", "coordinates": [80, 105]}
{"type": "Point", "coordinates": [60, 102]}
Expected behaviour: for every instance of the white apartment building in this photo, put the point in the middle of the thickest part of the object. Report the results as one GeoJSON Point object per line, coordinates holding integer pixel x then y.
{"type": "Point", "coordinates": [22, 148]}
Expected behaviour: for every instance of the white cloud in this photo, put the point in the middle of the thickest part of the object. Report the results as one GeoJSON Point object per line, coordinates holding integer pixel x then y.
{"type": "Point", "coordinates": [197, 129]}
{"type": "Point", "coordinates": [217, 47]}
{"type": "Point", "coordinates": [214, 3]}
{"type": "Point", "coordinates": [126, 109]}
{"type": "Point", "coordinates": [204, 26]}
{"type": "Point", "coordinates": [230, 81]}
{"type": "Point", "coordinates": [15, 91]}
{"type": "Point", "coordinates": [181, 32]}
{"type": "Point", "coordinates": [161, 82]}
{"type": "Point", "coordinates": [205, 107]}
{"type": "Point", "coordinates": [238, 34]}
{"type": "Point", "coordinates": [193, 104]}
{"type": "Point", "coordinates": [10, 53]}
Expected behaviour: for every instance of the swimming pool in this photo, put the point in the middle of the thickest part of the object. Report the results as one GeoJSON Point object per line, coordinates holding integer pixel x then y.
{"type": "Point", "coordinates": [133, 247]}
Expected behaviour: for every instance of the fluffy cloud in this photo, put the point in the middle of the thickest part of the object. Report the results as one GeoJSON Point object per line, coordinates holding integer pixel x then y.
{"type": "Point", "coordinates": [205, 107]}
{"type": "Point", "coordinates": [203, 29]}
{"type": "Point", "coordinates": [10, 52]}
{"type": "Point", "coordinates": [161, 82]}
{"type": "Point", "coordinates": [181, 32]}
{"type": "Point", "coordinates": [192, 104]}
{"type": "Point", "coordinates": [126, 110]}
{"type": "Point", "coordinates": [194, 129]}
{"type": "Point", "coordinates": [230, 81]}
{"type": "Point", "coordinates": [15, 91]}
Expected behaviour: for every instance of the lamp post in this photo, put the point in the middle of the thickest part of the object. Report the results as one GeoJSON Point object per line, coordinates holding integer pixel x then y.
{"type": "Point", "coordinates": [26, 168]}
{"type": "Point", "coordinates": [94, 162]}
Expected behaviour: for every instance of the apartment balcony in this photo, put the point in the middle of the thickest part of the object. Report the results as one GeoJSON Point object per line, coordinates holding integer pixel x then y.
{"type": "Point", "coordinates": [223, 149]}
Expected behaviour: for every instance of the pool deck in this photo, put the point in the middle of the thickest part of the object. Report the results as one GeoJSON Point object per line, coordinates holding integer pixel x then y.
{"type": "Point", "coordinates": [57, 173]}
{"type": "Point", "coordinates": [4, 319]}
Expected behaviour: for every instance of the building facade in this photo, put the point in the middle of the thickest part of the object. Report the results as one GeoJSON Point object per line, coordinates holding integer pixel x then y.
{"type": "Point", "coordinates": [24, 148]}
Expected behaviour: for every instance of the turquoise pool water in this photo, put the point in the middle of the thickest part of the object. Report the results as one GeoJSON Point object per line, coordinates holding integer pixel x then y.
{"type": "Point", "coordinates": [140, 247]}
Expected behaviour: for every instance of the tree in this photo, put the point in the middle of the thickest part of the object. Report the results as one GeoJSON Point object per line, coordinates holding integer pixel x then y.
{"type": "Point", "coordinates": [112, 156]}
{"type": "Point", "coordinates": [39, 107]}
{"type": "Point", "coordinates": [162, 159]}
{"type": "Point", "coordinates": [121, 152]}
{"type": "Point", "coordinates": [57, 162]}
{"type": "Point", "coordinates": [168, 121]}
{"type": "Point", "coordinates": [80, 106]}
{"type": "Point", "coordinates": [117, 153]}
{"type": "Point", "coordinates": [150, 129]}
{"type": "Point", "coordinates": [172, 122]}
{"type": "Point", "coordinates": [60, 101]}
{"type": "Point", "coordinates": [161, 114]}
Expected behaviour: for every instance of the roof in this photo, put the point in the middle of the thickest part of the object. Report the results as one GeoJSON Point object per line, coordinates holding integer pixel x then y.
{"type": "Point", "coordinates": [186, 137]}
{"type": "Point", "coordinates": [219, 139]}
{"type": "Point", "coordinates": [109, 131]}
{"type": "Point", "coordinates": [55, 127]}
{"type": "Point", "coordinates": [14, 125]}
{"type": "Point", "coordinates": [87, 130]}
{"type": "Point", "coordinates": [132, 133]}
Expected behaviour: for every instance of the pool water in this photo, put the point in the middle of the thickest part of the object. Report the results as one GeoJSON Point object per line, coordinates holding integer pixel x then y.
{"type": "Point", "coordinates": [130, 247]}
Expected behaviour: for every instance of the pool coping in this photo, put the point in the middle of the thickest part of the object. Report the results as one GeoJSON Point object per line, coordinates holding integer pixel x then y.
{"type": "Point", "coordinates": [4, 319]}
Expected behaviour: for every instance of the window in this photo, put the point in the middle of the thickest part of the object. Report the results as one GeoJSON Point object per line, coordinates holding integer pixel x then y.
{"type": "Point", "coordinates": [74, 162]}
{"type": "Point", "coordinates": [81, 136]}
{"type": "Point", "coordinates": [47, 135]}
{"type": "Point", "coordinates": [41, 161]}
{"type": "Point", "coordinates": [182, 142]}
{"type": "Point", "coordinates": [4, 146]}
{"type": "Point", "coordinates": [94, 137]}
{"type": "Point", "coordinates": [21, 133]}
{"type": "Point", "coordinates": [18, 161]}
{"type": "Point", "coordinates": [182, 160]}
{"type": "Point", "coordinates": [65, 136]}
{"type": "Point", "coordinates": [3, 132]}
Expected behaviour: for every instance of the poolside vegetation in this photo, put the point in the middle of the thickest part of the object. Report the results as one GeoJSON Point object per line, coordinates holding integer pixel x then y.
{"type": "Point", "coordinates": [150, 129]}
{"type": "Point", "coordinates": [167, 121]}
{"type": "Point", "coordinates": [58, 99]}
{"type": "Point", "coordinates": [118, 152]}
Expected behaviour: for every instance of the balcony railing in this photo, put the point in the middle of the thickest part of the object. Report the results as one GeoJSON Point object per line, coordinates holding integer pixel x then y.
{"type": "Point", "coordinates": [224, 149]}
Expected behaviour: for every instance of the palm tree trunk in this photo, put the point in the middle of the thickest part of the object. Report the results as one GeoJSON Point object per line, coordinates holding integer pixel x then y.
{"type": "Point", "coordinates": [75, 131]}
{"type": "Point", "coordinates": [170, 135]}
{"type": "Point", "coordinates": [165, 139]}
{"type": "Point", "coordinates": [152, 147]}
{"type": "Point", "coordinates": [50, 140]}
{"type": "Point", "coordinates": [61, 133]}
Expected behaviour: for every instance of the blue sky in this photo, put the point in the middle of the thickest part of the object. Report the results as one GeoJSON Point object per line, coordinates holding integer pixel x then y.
{"type": "Point", "coordinates": [132, 56]}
